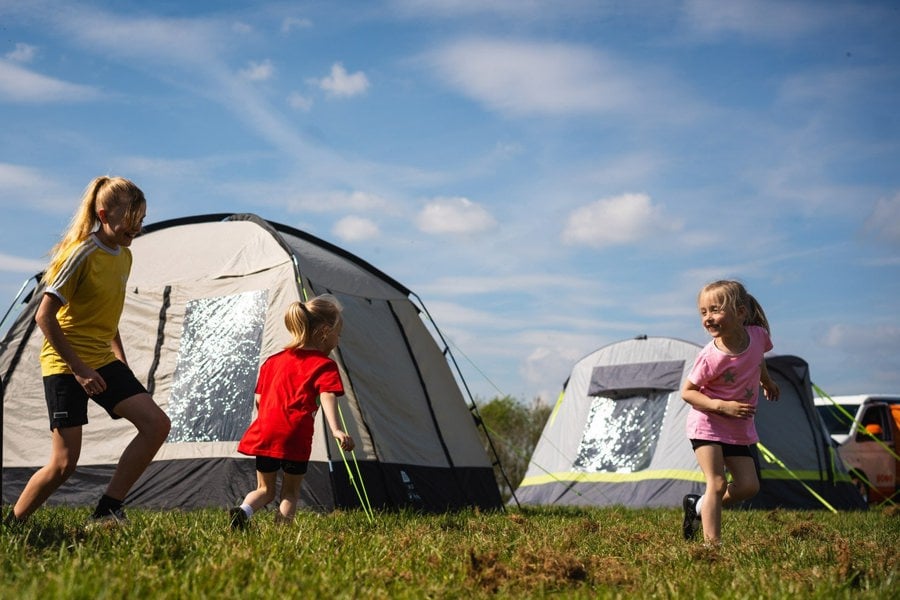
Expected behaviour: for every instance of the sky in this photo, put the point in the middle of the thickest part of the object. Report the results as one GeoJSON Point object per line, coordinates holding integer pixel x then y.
{"type": "Point", "coordinates": [548, 177]}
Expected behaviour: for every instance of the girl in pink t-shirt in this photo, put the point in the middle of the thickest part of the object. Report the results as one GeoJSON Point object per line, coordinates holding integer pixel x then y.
{"type": "Point", "coordinates": [722, 389]}
{"type": "Point", "coordinates": [287, 389]}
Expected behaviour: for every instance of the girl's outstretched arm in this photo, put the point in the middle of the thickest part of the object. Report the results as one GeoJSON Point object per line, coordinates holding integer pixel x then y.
{"type": "Point", "coordinates": [329, 406]}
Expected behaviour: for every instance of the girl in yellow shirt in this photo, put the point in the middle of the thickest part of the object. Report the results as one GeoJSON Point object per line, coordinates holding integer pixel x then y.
{"type": "Point", "coordinates": [82, 356]}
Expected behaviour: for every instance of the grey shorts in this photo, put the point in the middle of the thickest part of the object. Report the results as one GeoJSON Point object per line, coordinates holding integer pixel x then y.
{"type": "Point", "coordinates": [67, 401]}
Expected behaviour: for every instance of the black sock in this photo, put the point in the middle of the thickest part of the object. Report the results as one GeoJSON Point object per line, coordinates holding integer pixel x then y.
{"type": "Point", "coordinates": [107, 505]}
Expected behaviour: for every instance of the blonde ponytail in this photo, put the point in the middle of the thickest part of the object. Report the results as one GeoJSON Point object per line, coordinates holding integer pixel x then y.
{"type": "Point", "coordinates": [303, 319]}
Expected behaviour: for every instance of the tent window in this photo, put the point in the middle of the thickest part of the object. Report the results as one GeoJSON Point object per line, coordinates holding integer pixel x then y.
{"type": "Point", "coordinates": [636, 379]}
{"type": "Point", "coordinates": [215, 373]}
{"type": "Point", "coordinates": [621, 435]}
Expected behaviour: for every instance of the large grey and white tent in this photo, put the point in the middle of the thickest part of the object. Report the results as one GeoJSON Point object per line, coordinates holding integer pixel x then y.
{"type": "Point", "coordinates": [204, 307]}
{"type": "Point", "coordinates": [617, 436]}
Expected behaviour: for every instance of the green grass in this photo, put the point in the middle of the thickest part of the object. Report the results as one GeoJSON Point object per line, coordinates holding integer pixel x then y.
{"type": "Point", "coordinates": [534, 553]}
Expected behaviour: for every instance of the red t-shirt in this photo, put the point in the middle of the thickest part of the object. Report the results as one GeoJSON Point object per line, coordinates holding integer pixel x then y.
{"type": "Point", "coordinates": [289, 385]}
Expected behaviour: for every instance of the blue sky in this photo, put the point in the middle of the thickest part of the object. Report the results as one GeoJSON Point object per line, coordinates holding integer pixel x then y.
{"type": "Point", "coordinates": [549, 177]}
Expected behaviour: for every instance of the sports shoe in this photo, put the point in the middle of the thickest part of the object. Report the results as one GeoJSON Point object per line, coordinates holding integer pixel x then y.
{"type": "Point", "coordinates": [691, 519]}
{"type": "Point", "coordinates": [107, 518]}
{"type": "Point", "coordinates": [239, 519]}
{"type": "Point", "coordinates": [11, 523]}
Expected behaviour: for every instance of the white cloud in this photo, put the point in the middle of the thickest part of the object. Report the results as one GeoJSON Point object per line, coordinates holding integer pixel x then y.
{"type": "Point", "coordinates": [22, 54]}
{"type": "Point", "coordinates": [258, 71]}
{"type": "Point", "coordinates": [525, 78]}
{"type": "Point", "coordinates": [343, 84]}
{"type": "Point", "coordinates": [766, 19]}
{"type": "Point", "coordinates": [855, 338]}
{"type": "Point", "coordinates": [358, 200]}
{"type": "Point", "coordinates": [453, 314]}
{"type": "Point", "coordinates": [526, 283]}
{"type": "Point", "coordinates": [15, 264]}
{"type": "Point", "coordinates": [299, 102]}
{"type": "Point", "coordinates": [553, 361]}
{"type": "Point", "coordinates": [884, 222]}
{"type": "Point", "coordinates": [620, 220]}
{"type": "Point", "coordinates": [27, 187]}
{"type": "Point", "coordinates": [329, 201]}
{"type": "Point", "coordinates": [241, 28]}
{"type": "Point", "coordinates": [21, 85]}
{"type": "Point", "coordinates": [506, 9]}
{"type": "Point", "coordinates": [454, 215]}
{"type": "Point", "coordinates": [355, 229]}
{"type": "Point", "coordinates": [291, 23]}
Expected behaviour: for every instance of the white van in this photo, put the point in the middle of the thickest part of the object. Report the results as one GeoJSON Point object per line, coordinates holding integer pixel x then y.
{"type": "Point", "coordinates": [866, 432]}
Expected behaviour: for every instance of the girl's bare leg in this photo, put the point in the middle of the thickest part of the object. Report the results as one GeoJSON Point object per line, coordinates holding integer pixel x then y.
{"type": "Point", "coordinates": [65, 448]}
{"type": "Point", "coordinates": [264, 492]}
{"type": "Point", "coordinates": [712, 463]}
{"type": "Point", "coordinates": [290, 496]}
{"type": "Point", "coordinates": [153, 427]}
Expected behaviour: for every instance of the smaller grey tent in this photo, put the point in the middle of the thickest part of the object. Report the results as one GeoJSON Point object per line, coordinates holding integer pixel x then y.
{"type": "Point", "coordinates": [204, 307]}
{"type": "Point", "coordinates": [617, 436]}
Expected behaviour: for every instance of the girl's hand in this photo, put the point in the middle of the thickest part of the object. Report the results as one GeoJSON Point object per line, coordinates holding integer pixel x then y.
{"type": "Point", "coordinates": [738, 410]}
{"type": "Point", "coordinates": [91, 381]}
{"type": "Point", "coordinates": [770, 390]}
{"type": "Point", "coordinates": [344, 441]}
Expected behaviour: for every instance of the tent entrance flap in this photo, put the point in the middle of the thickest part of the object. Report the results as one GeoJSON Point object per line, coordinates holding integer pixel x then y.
{"type": "Point", "coordinates": [635, 379]}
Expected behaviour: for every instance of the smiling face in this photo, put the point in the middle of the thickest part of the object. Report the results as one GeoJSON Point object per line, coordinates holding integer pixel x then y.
{"type": "Point", "coordinates": [717, 317]}
{"type": "Point", "coordinates": [121, 223]}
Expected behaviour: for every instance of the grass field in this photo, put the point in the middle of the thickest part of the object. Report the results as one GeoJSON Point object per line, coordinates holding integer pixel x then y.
{"type": "Point", "coordinates": [533, 553]}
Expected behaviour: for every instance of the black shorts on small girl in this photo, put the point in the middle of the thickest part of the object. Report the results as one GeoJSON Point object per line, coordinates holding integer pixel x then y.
{"type": "Point", "coordinates": [266, 464]}
{"type": "Point", "coordinates": [733, 450]}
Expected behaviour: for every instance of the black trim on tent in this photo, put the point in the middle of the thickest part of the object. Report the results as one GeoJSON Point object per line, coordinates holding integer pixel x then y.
{"type": "Point", "coordinates": [382, 475]}
{"type": "Point", "coordinates": [473, 407]}
{"type": "Point", "coordinates": [160, 338]}
{"type": "Point", "coordinates": [35, 295]}
{"type": "Point", "coordinates": [428, 401]}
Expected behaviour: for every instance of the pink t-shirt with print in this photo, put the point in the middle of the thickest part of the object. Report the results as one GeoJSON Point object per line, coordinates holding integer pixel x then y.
{"type": "Point", "coordinates": [728, 377]}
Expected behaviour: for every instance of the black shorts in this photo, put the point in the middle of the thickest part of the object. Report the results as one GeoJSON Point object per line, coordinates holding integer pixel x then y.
{"type": "Point", "coordinates": [733, 450]}
{"type": "Point", "coordinates": [67, 401]}
{"type": "Point", "coordinates": [266, 464]}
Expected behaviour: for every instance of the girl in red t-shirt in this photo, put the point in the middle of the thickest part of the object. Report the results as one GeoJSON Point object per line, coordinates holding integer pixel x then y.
{"type": "Point", "coordinates": [288, 386]}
